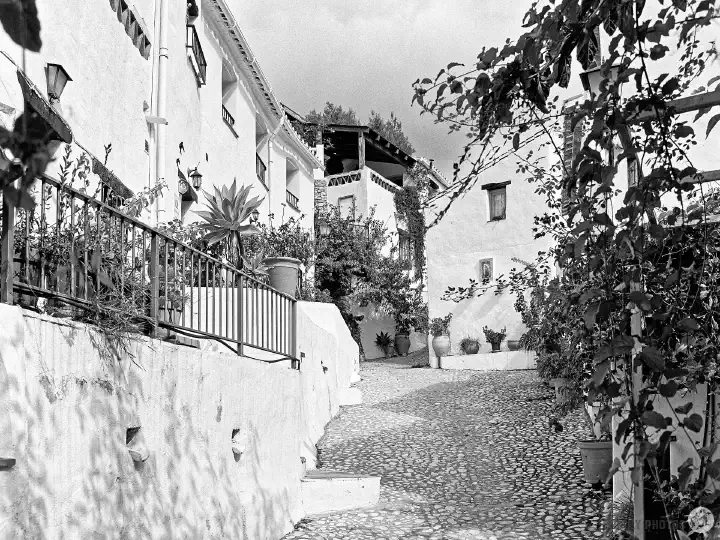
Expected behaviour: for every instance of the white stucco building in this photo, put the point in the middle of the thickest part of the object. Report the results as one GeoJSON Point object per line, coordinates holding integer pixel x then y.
{"type": "Point", "coordinates": [162, 81]}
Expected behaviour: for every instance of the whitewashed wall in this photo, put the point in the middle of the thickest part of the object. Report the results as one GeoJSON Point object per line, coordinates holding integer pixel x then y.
{"type": "Point", "coordinates": [66, 411]}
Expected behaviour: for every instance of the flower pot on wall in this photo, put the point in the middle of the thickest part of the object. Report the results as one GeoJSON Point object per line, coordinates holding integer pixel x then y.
{"type": "Point", "coordinates": [513, 345]}
{"type": "Point", "coordinates": [283, 273]}
{"type": "Point", "coordinates": [495, 347]}
{"type": "Point", "coordinates": [402, 343]}
{"type": "Point", "coordinates": [441, 345]}
{"type": "Point", "coordinates": [471, 347]}
{"type": "Point", "coordinates": [597, 460]}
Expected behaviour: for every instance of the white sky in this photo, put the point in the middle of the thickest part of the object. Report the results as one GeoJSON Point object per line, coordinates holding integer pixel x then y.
{"type": "Point", "coordinates": [366, 54]}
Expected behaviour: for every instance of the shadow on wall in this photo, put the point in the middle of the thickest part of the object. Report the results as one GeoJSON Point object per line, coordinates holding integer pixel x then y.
{"type": "Point", "coordinates": [65, 420]}
{"type": "Point", "coordinates": [376, 322]}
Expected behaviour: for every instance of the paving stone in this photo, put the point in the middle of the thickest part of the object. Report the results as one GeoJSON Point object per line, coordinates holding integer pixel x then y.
{"type": "Point", "coordinates": [462, 455]}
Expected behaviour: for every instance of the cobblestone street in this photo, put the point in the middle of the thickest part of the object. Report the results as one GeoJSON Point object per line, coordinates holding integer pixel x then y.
{"type": "Point", "coordinates": [462, 455]}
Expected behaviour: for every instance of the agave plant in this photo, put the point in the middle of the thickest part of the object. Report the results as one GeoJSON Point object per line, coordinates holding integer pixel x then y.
{"type": "Point", "coordinates": [228, 209]}
{"type": "Point", "coordinates": [255, 267]}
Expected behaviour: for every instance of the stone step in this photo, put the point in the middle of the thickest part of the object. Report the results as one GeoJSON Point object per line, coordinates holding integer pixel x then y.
{"type": "Point", "coordinates": [325, 491]}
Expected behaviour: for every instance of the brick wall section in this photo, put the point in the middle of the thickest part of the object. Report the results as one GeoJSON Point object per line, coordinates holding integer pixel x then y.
{"type": "Point", "coordinates": [320, 194]}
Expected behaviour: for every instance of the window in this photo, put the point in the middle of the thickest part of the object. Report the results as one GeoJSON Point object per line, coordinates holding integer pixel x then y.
{"type": "Point", "coordinates": [134, 26]}
{"type": "Point", "coordinates": [497, 200]}
{"type": "Point", "coordinates": [229, 91]}
{"type": "Point", "coordinates": [196, 55]}
{"type": "Point", "coordinates": [497, 203]}
{"type": "Point", "coordinates": [347, 206]}
{"type": "Point", "coordinates": [292, 184]}
{"type": "Point", "coordinates": [404, 247]}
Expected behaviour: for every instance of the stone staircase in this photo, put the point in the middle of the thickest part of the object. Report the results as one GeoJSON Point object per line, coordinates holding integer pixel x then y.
{"type": "Point", "coordinates": [325, 491]}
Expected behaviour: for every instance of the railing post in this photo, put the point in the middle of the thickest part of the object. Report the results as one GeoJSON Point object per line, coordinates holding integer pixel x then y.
{"type": "Point", "coordinates": [241, 301]}
{"type": "Point", "coordinates": [154, 274]}
{"type": "Point", "coordinates": [293, 330]}
{"type": "Point", "coordinates": [7, 250]}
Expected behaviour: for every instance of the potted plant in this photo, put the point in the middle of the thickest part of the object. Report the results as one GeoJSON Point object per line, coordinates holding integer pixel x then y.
{"type": "Point", "coordinates": [494, 338]}
{"type": "Point", "coordinates": [596, 451]}
{"type": "Point", "coordinates": [402, 339]}
{"type": "Point", "coordinates": [513, 344]}
{"type": "Point", "coordinates": [440, 330]}
{"type": "Point", "coordinates": [383, 342]}
{"type": "Point", "coordinates": [470, 345]}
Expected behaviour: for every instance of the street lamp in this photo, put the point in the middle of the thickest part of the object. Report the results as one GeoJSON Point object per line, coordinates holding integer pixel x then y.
{"type": "Point", "coordinates": [57, 78]}
{"type": "Point", "coordinates": [592, 79]}
{"type": "Point", "coordinates": [196, 178]}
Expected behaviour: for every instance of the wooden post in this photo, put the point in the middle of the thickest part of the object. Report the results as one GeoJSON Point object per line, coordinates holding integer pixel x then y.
{"type": "Point", "coordinates": [361, 150]}
{"type": "Point", "coordinates": [7, 250]}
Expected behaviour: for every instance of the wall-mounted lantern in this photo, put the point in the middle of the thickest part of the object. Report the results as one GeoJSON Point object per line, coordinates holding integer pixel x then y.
{"type": "Point", "coordinates": [57, 78]}
{"type": "Point", "coordinates": [196, 178]}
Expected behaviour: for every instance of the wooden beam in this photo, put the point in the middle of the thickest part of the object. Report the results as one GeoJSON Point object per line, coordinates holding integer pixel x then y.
{"type": "Point", "coordinates": [705, 177]}
{"type": "Point", "coordinates": [386, 151]}
{"type": "Point", "coordinates": [361, 150]}
{"type": "Point", "coordinates": [684, 105]}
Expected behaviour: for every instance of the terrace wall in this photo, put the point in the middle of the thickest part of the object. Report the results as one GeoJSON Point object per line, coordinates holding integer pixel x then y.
{"type": "Point", "coordinates": [65, 409]}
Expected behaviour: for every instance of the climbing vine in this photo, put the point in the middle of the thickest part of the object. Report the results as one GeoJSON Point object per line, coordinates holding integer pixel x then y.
{"type": "Point", "coordinates": [636, 299]}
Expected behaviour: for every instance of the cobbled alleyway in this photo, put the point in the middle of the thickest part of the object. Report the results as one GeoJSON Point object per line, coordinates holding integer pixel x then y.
{"type": "Point", "coordinates": [462, 455]}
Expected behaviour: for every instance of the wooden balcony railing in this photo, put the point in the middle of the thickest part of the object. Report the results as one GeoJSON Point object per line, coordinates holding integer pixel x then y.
{"type": "Point", "coordinates": [292, 200]}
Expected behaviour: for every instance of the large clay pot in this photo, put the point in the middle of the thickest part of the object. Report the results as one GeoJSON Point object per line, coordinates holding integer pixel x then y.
{"type": "Point", "coordinates": [597, 460]}
{"type": "Point", "coordinates": [283, 272]}
{"type": "Point", "coordinates": [441, 345]}
{"type": "Point", "coordinates": [562, 389]}
{"type": "Point", "coordinates": [402, 343]}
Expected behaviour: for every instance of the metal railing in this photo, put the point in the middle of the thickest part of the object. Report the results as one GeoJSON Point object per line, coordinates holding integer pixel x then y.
{"type": "Point", "coordinates": [260, 169]}
{"type": "Point", "coordinates": [292, 200]}
{"type": "Point", "coordinates": [196, 55]}
{"type": "Point", "coordinates": [79, 255]}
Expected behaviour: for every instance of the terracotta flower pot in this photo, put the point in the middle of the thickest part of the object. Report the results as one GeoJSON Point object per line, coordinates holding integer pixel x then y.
{"type": "Point", "coordinates": [472, 347]}
{"type": "Point", "coordinates": [283, 273]}
{"type": "Point", "coordinates": [441, 345]}
{"type": "Point", "coordinates": [513, 345]}
{"type": "Point", "coordinates": [402, 343]}
{"type": "Point", "coordinates": [597, 460]}
{"type": "Point", "coordinates": [495, 347]}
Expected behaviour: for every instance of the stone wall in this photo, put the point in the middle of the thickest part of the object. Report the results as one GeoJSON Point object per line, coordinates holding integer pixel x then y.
{"type": "Point", "coordinates": [66, 410]}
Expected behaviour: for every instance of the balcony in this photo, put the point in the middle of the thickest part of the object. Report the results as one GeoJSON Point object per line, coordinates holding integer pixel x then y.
{"type": "Point", "coordinates": [367, 174]}
{"type": "Point", "coordinates": [261, 170]}
{"type": "Point", "coordinates": [229, 120]}
{"type": "Point", "coordinates": [292, 200]}
{"type": "Point", "coordinates": [196, 56]}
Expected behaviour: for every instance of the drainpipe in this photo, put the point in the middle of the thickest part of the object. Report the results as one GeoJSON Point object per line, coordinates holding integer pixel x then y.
{"type": "Point", "coordinates": [269, 154]}
{"type": "Point", "coordinates": [161, 108]}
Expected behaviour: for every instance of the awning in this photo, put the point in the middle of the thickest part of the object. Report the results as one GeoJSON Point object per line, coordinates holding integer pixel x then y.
{"type": "Point", "coordinates": [110, 180]}
{"type": "Point", "coordinates": [35, 99]}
